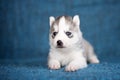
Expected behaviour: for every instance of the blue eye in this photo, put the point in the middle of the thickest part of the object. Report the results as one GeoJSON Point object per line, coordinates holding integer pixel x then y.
{"type": "Point", "coordinates": [68, 33]}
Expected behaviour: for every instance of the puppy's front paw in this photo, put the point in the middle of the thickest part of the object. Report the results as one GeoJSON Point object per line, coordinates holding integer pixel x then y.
{"type": "Point", "coordinates": [73, 66]}
{"type": "Point", "coordinates": [54, 64]}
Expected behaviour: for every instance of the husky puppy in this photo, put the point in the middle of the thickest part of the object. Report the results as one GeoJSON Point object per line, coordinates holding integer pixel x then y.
{"type": "Point", "coordinates": [67, 45]}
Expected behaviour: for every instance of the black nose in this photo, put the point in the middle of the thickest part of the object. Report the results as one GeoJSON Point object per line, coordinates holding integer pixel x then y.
{"type": "Point", "coordinates": [59, 43]}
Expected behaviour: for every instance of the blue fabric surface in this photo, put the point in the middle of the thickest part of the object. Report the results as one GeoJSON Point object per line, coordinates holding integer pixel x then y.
{"type": "Point", "coordinates": [103, 71]}
{"type": "Point", "coordinates": [24, 40]}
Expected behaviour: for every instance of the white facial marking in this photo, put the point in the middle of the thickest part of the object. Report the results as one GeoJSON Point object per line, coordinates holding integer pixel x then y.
{"type": "Point", "coordinates": [62, 22]}
{"type": "Point", "coordinates": [62, 25]}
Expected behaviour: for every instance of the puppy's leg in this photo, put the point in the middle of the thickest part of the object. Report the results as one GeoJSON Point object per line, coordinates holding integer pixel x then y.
{"type": "Point", "coordinates": [90, 55]}
{"type": "Point", "coordinates": [76, 64]}
{"type": "Point", "coordinates": [53, 64]}
{"type": "Point", "coordinates": [92, 58]}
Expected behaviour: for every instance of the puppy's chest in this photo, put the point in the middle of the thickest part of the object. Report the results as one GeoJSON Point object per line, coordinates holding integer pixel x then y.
{"type": "Point", "coordinates": [66, 58]}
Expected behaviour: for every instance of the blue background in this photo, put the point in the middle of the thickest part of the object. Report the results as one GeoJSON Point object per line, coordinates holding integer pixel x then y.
{"type": "Point", "coordinates": [24, 40]}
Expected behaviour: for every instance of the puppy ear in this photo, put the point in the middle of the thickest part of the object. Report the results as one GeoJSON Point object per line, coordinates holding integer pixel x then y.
{"type": "Point", "coordinates": [51, 20]}
{"type": "Point", "coordinates": [76, 20]}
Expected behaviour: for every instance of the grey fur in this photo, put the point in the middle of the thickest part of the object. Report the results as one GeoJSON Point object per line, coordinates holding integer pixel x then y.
{"type": "Point", "coordinates": [68, 20]}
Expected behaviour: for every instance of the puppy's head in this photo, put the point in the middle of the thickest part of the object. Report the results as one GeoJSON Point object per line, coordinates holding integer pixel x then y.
{"type": "Point", "coordinates": [64, 31]}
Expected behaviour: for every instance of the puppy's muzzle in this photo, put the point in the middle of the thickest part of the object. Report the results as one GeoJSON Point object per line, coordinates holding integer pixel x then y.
{"type": "Point", "coordinates": [59, 44]}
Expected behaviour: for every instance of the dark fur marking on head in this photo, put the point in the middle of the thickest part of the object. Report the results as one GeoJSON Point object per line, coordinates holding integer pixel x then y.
{"type": "Point", "coordinates": [68, 20]}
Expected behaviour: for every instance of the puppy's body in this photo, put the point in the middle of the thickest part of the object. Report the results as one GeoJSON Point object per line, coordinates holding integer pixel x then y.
{"type": "Point", "coordinates": [67, 46]}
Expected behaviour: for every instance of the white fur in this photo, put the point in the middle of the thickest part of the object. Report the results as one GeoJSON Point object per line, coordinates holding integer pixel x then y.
{"type": "Point", "coordinates": [52, 19]}
{"type": "Point", "coordinates": [76, 20]}
{"type": "Point", "coordinates": [72, 56]}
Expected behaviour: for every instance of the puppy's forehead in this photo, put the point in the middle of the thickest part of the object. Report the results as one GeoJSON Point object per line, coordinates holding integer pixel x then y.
{"type": "Point", "coordinates": [67, 19]}
{"type": "Point", "coordinates": [63, 22]}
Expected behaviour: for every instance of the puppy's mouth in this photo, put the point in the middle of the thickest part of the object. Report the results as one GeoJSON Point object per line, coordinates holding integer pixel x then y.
{"type": "Point", "coordinates": [60, 47]}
